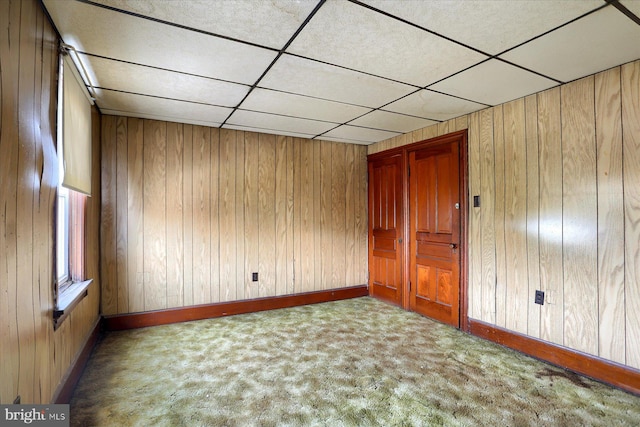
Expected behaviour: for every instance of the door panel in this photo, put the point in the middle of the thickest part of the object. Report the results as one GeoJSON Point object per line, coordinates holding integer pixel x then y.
{"type": "Point", "coordinates": [434, 226]}
{"type": "Point", "coordinates": [385, 228]}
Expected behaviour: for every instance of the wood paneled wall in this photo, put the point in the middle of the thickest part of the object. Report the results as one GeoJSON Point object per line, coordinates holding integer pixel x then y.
{"type": "Point", "coordinates": [189, 212]}
{"type": "Point", "coordinates": [34, 358]}
{"type": "Point", "coordinates": [558, 174]}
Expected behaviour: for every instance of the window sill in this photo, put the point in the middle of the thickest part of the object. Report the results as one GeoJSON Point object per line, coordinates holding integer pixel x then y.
{"type": "Point", "coordinates": [68, 300]}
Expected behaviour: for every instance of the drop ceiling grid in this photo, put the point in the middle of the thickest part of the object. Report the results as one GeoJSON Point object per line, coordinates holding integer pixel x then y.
{"type": "Point", "coordinates": [329, 80]}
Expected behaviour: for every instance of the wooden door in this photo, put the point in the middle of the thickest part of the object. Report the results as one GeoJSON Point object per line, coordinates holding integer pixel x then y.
{"type": "Point", "coordinates": [434, 224]}
{"type": "Point", "coordinates": [386, 228]}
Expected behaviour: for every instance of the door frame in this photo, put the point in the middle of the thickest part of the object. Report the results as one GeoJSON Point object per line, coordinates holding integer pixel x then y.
{"type": "Point", "coordinates": [461, 137]}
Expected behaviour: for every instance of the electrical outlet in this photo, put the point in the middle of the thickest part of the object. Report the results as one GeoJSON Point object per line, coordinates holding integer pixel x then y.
{"type": "Point", "coordinates": [539, 297]}
{"type": "Point", "coordinates": [254, 277]}
{"type": "Point", "coordinates": [16, 401]}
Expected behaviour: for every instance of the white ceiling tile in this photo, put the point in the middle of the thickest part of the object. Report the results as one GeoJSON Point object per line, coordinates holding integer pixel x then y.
{"type": "Point", "coordinates": [269, 131]}
{"type": "Point", "coordinates": [393, 122]}
{"type": "Point", "coordinates": [433, 105]}
{"type": "Point", "coordinates": [354, 133]}
{"type": "Point", "coordinates": [594, 43]}
{"type": "Point", "coordinates": [632, 5]}
{"type": "Point", "coordinates": [278, 123]}
{"type": "Point", "coordinates": [356, 37]}
{"type": "Point", "coordinates": [160, 118]}
{"type": "Point", "coordinates": [139, 106]}
{"type": "Point", "coordinates": [103, 32]}
{"type": "Point", "coordinates": [269, 101]}
{"type": "Point", "coordinates": [493, 82]}
{"type": "Point", "coordinates": [344, 140]}
{"type": "Point", "coordinates": [491, 26]}
{"type": "Point", "coordinates": [243, 20]}
{"type": "Point", "coordinates": [302, 76]}
{"type": "Point", "coordinates": [124, 76]}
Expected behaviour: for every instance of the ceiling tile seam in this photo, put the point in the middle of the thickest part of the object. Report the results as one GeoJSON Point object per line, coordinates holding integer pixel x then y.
{"type": "Point", "coordinates": [361, 127]}
{"type": "Point", "coordinates": [280, 53]}
{"type": "Point", "coordinates": [413, 24]}
{"type": "Point", "coordinates": [351, 69]}
{"type": "Point", "coordinates": [175, 25]}
{"type": "Point", "coordinates": [553, 29]}
{"type": "Point", "coordinates": [163, 97]}
{"type": "Point", "coordinates": [624, 10]}
{"type": "Point", "coordinates": [289, 116]}
{"type": "Point", "coordinates": [184, 73]}
{"type": "Point", "coordinates": [264, 128]}
{"type": "Point", "coordinates": [458, 97]}
{"type": "Point", "coordinates": [314, 97]}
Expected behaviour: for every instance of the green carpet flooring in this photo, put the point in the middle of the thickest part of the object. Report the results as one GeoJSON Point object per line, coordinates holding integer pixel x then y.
{"type": "Point", "coordinates": [357, 362]}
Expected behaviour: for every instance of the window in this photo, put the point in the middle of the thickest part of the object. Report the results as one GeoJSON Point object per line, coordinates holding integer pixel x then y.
{"type": "Point", "coordinates": [74, 186]}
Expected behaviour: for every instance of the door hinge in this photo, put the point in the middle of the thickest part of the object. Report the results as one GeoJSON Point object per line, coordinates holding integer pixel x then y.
{"type": "Point", "coordinates": [409, 285]}
{"type": "Point", "coordinates": [408, 170]}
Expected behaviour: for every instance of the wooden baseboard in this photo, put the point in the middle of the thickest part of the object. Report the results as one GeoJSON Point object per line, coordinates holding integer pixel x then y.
{"type": "Point", "coordinates": [199, 312]}
{"type": "Point", "coordinates": [64, 391]}
{"type": "Point", "coordinates": [602, 370]}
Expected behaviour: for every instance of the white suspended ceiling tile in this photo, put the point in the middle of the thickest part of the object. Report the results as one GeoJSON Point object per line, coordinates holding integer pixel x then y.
{"type": "Point", "coordinates": [433, 105]}
{"type": "Point", "coordinates": [161, 118]}
{"type": "Point", "coordinates": [269, 131]}
{"type": "Point", "coordinates": [104, 32]}
{"type": "Point", "coordinates": [599, 41]}
{"type": "Point", "coordinates": [493, 82]}
{"type": "Point", "coordinates": [393, 122]}
{"type": "Point", "coordinates": [124, 76]}
{"type": "Point", "coordinates": [344, 140]}
{"type": "Point", "coordinates": [312, 78]}
{"type": "Point", "coordinates": [278, 124]}
{"type": "Point", "coordinates": [355, 133]}
{"type": "Point", "coordinates": [356, 37]}
{"type": "Point", "coordinates": [166, 109]}
{"type": "Point", "coordinates": [270, 101]}
{"type": "Point", "coordinates": [265, 23]}
{"type": "Point", "coordinates": [491, 26]}
{"type": "Point", "coordinates": [632, 5]}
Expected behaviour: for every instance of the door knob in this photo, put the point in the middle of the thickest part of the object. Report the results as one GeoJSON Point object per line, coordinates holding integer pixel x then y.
{"type": "Point", "coordinates": [453, 245]}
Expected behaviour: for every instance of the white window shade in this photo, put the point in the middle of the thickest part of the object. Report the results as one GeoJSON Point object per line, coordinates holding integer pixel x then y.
{"type": "Point", "coordinates": [76, 130]}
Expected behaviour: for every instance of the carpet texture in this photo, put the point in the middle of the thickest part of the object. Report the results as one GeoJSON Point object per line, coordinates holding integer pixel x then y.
{"type": "Point", "coordinates": [357, 362]}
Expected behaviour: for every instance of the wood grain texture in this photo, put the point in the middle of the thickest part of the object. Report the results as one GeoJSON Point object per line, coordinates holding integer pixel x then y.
{"type": "Point", "coordinates": [121, 215]}
{"type": "Point", "coordinates": [241, 273]}
{"type": "Point", "coordinates": [351, 234]}
{"type": "Point", "coordinates": [475, 236]}
{"type": "Point", "coordinates": [515, 184]}
{"type": "Point", "coordinates": [108, 237]}
{"type": "Point", "coordinates": [318, 214]}
{"type": "Point", "coordinates": [611, 285]}
{"type": "Point", "coordinates": [280, 213]}
{"type": "Point", "coordinates": [188, 212]}
{"type": "Point", "coordinates": [251, 213]}
{"type": "Point", "coordinates": [267, 215]}
{"type": "Point", "coordinates": [550, 220]}
{"type": "Point", "coordinates": [291, 164]}
{"type": "Point", "coordinates": [630, 77]}
{"type": "Point", "coordinates": [135, 213]}
{"type": "Point", "coordinates": [533, 214]}
{"type": "Point", "coordinates": [35, 358]}
{"type": "Point", "coordinates": [338, 215]}
{"type": "Point", "coordinates": [326, 234]}
{"type": "Point", "coordinates": [201, 214]}
{"type": "Point", "coordinates": [499, 215]}
{"type": "Point", "coordinates": [579, 216]}
{"type": "Point", "coordinates": [228, 216]}
{"type": "Point", "coordinates": [487, 194]}
{"type": "Point", "coordinates": [307, 229]}
{"type": "Point", "coordinates": [214, 219]}
{"type": "Point", "coordinates": [155, 229]}
{"type": "Point", "coordinates": [175, 215]}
